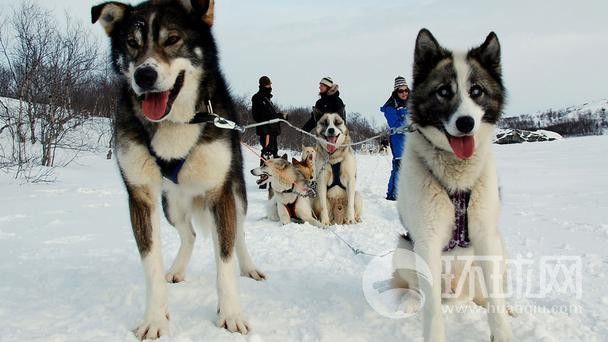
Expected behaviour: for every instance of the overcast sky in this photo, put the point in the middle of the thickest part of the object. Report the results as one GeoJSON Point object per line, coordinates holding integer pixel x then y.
{"type": "Point", "coordinates": [554, 52]}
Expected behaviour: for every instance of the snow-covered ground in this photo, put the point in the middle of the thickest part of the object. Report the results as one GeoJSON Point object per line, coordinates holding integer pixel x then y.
{"type": "Point", "coordinates": [71, 271]}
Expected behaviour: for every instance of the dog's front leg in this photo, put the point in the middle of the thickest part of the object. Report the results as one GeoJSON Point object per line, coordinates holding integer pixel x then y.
{"type": "Point", "coordinates": [224, 232]}
{"type": "Point", "coordinates": [283, 214]}
{"type": "Point", "coordinates": [430, 251]}
{"type": "Point", "coordinates": [248, 268]}
{"type": "Point", "coordinates": [145, 219]}
{"type": "Point", "coordinates": [304, 211]}
{"type": "Point", "coordinates": [493, 269]}
{"type": "Point", "coordinates": [322, 188]}
{"type": "Point", "coordinates": [350, 193]}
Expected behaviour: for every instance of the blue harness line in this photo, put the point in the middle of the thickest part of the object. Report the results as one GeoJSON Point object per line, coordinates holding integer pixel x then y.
{"type": "Point", "coordinates": [170, 168]}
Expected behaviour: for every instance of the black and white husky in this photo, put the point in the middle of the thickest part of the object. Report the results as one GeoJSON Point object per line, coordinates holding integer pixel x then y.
{"type": "Point", "coordinates": [449, 197]}
{"type": "Point", "coordinates": [166, 56]}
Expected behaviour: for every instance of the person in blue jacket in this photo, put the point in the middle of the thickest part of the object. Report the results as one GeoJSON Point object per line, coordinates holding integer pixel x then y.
{"type": "Point", "coordinates": [395, 111]}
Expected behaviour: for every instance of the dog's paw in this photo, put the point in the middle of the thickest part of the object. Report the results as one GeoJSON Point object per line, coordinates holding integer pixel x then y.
{"type": "Point", "coordinates": [175, 277]}
{"type": "Point", "coordinates": [502, 335]}
{"type": "Point", "coordinates": [494, 338]}
{"type": "Point", "coordinates": [325, 220]}
{"type": "Point", "coordinates": [153, 329]}
{"type": "Point", "coordinates": [253, 274]}
{"type": "Point", "coordinates": [233, 323]}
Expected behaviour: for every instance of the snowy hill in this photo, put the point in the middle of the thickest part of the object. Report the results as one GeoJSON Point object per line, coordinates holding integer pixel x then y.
{"type": "Point", "coordinates": [590, 118]}
{"type": "Point", "coordinates": [71, 270]}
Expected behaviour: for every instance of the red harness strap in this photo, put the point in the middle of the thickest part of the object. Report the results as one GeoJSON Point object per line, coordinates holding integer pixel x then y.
{"type": "Point", "coordinates": [291, 209]}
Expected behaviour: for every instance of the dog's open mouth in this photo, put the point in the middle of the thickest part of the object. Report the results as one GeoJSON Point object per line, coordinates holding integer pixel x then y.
{"type": "Point", "coordinates": [156, 106]}
{"type": "Point", "coordinates": [463, 147]}
{"type": "Point", "coordinates": [334, 140]}
{"type": "Point", "coordinates": [262, 179]}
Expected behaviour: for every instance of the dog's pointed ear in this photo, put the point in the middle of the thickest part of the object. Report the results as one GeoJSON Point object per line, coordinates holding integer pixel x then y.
{"type": "Point", "coordinates": [294, 161]}
{"type": "Point", "coordinates": [427, 54]}
{"type": "Point", "coordinates": [108, 14]}
{"type": "Point", "coordinates": [202, 8]}
{"type": "Point", "coordinates": [488, 54]}
{"type": "Point", "coordinates": [284, 156]}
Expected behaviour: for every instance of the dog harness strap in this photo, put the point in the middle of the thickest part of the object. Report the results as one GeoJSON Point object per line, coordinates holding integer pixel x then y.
{"type": "Point", "coordinates": [202, 117]}
{"type": "Point", "coordinates": [335, 170]}
{"type": "Point", "coordinates": [460, 232]}
{"type": "Point", "coordinates": [170, 169]}
{"type": "Point", "coordinates": [290, 190]}
{"type": "Point", "coordinates": [291, 209]}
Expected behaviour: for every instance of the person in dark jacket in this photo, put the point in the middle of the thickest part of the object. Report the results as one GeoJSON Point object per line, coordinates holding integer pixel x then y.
{"type": "Point", "coordinates": [262, 109]}
{"type": "Point", "coordinates": [330, 102]}
{"type": "Point", "coordinates": [395, 111]}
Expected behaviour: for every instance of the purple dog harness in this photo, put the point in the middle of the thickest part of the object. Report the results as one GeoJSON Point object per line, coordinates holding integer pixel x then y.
{"type": "Point", "coordinates": [460, 232]}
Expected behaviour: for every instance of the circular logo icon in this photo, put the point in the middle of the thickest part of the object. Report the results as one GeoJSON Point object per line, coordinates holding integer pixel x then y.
{"type": "Point", "coordinates": [384, 282]}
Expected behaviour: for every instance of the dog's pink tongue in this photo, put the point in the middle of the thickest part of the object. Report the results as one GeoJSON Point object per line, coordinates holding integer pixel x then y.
{"type": "Point", "coordinates": [463, 147]}
{"type": "Point", "coordinates": [331, 148]}
{"type": "Point", "coordinates": [154, 105]}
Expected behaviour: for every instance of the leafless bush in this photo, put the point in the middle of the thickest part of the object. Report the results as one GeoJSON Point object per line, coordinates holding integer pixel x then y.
{"type": "Point", "coordinates": [52, 73]}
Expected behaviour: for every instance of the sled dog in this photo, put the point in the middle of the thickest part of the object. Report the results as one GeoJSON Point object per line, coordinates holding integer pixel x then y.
{"type": "Point", "coordinates": [307, 163]}
{"type": "Point", "coordinates": [166, 57]}
{"type": "Point", "coordinates": [291, 192]}
{"type": "Point", "coordinates": [449, 196]}
{"type": "Point", "coordinates": [337, 202]}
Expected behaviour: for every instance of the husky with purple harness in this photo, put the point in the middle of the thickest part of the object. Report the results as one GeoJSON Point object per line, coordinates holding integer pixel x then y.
{"type": "Point", "coordinates": [449, 202]}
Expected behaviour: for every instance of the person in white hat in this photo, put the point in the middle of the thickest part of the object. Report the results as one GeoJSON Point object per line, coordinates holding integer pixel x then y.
{"type": "Point", "coordinates": [330, 102]}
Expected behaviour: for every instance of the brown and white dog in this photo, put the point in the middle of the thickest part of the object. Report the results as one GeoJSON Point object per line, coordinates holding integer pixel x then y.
{"type": "Point", "coordinates": [292, 192]}
{"type": "Point", "coordinates": [166, 57]}
{"type": "Point", "coordinates": [337, 202]}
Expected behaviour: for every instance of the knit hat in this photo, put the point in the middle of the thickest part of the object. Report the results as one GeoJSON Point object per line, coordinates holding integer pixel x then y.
{"type": "Point", "coordinates": [327, 81]}
{"type": "Point", "coordinates": [264, 81]}
{"type": "Point", "coordinates": [400, 82]}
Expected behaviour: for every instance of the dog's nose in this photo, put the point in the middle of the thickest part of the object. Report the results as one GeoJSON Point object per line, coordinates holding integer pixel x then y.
{"type": "Point", "coordinates": [465, 124]}
{"type": "Point", "coordinates": [145, 77]}
{"type": "Point", "coordinates": [331, 131]}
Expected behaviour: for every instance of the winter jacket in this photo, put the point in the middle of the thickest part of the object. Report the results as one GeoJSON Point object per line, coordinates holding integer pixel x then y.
{"type": "Point", "coordinates": [330, 102]}
{"type": "Point", "coordinates": [395, 111]}
{"type": "Point", "coordinates": [262, 109]}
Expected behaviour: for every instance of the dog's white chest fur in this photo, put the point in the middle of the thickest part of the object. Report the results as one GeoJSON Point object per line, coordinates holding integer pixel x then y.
{"type": "Point", "coordinates": [173, 140]}
{"type": "Point", "coordinates": [207, 166]}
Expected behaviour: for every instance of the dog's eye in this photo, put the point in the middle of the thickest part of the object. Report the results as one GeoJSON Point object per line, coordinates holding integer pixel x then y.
{"type": "Point", "coordinates": [132, 42]}
{"type": "Point", "coordinates": [172, 40]}
{"type": "Point", "coordinates": [476, 91]}
{"type": "Point", "coordinates": [445, 91]}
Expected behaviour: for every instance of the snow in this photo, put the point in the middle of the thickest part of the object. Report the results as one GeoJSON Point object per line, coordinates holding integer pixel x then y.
{"type": "Point", "coordinates": [71, 271]}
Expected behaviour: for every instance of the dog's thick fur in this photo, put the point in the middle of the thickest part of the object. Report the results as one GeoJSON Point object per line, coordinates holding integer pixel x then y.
{"type": "Point", "coordinates": [290, 187]}
{"type": "Point", "coordinates": [336, 205]}
{"type": "Point", "coordinates": [449, 86]}
{"type": "Point", "coordinates": [166, 47]}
